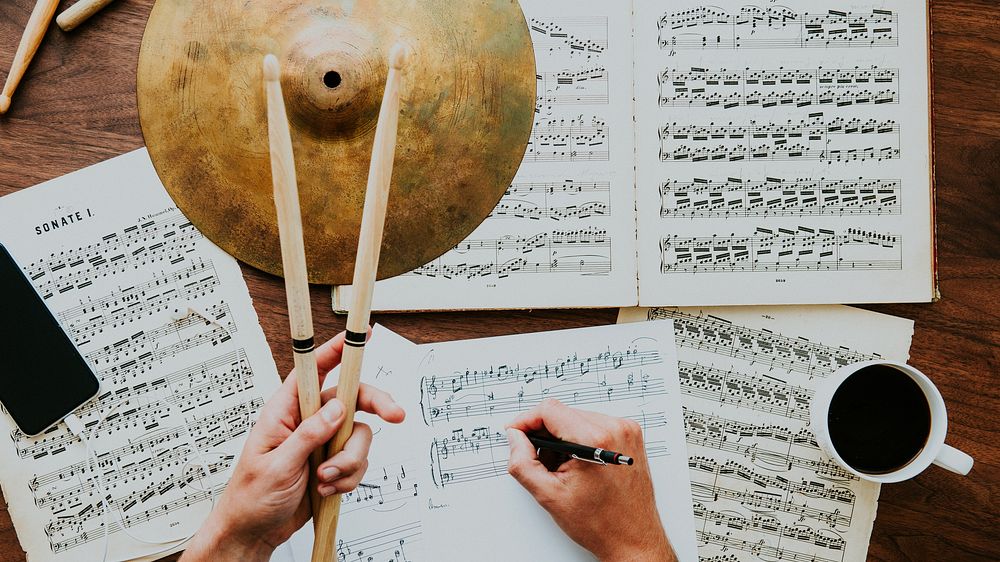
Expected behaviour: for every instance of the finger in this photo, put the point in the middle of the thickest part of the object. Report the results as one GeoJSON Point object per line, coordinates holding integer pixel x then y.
{"type": "Point", "coordinates": [373, 401]}
{"type": "Point", "coordinates": [314, 432]}
{"type": "Point", "coordinates": [558, 419]}
{"type": "Point", "coordinates": [329, 354]}
{"type": "Point", "coordinates": [525, 467]}
{"type": "Point", "coordinates": [350, 460]}
{"type": "Point", "coordinates": [345, 485]}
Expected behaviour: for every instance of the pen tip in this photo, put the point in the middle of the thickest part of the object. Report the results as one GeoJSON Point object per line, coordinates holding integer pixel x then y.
{"type": "Point", "coordinates": [625, 460]}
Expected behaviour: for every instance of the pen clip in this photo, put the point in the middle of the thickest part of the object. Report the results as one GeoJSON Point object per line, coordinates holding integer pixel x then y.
{"type": "Point", "coordinates": [592, 461]}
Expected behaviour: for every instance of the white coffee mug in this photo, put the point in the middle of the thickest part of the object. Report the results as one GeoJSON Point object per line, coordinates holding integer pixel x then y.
{"type": "Point", "coordinates": [934, 451]}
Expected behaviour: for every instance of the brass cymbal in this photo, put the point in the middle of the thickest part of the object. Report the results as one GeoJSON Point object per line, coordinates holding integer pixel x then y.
{"type": "Point", "coordinates": [468, 98]}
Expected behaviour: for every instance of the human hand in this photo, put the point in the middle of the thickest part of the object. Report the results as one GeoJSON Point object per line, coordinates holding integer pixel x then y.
{"type": "Point", "coordinates": [267, 498]}
{"type": "Point", "coordinates": [610, 511]}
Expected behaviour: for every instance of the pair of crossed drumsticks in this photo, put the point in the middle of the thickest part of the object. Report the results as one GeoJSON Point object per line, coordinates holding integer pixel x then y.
{"type": "Point", "coordinates": [38, 24]}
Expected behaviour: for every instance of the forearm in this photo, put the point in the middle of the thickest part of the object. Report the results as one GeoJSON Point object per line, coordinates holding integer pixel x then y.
{"type": "Point", "coordinates": [215, 542]}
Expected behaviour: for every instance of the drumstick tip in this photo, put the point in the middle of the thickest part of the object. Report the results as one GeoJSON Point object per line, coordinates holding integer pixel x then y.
{"type": "Point", "coordinates": [4, 104]}
{"type": "Point", "coordinates": [272, 70]}
{"type": "Point", "coordinates": [398, 56]}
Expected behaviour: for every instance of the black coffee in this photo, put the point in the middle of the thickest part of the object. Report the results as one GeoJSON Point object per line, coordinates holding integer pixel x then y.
{"type": "Point", "coordinates": [879, 420]}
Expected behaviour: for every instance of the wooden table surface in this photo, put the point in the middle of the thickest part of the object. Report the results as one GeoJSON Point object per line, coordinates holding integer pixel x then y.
{"type": "Point", "coordinates": [77, 107]}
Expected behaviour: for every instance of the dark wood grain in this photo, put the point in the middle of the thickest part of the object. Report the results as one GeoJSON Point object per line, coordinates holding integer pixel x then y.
{"type": "Point", "coordinates": [77, 107]}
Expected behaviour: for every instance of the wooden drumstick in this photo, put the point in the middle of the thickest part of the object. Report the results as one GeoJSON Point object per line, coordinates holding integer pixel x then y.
{"type": "Point", "coordinates": [365, 270]}
{"type": "Point", "coordinates": [38, 23]}
{"type": "Point", "coordinates": [79, 13]}
{"type": "Point", "coordinates": [293, 258]}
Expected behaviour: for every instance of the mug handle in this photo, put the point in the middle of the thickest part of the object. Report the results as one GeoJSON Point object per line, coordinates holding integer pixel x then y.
{"type": "Point", "coordinates": [950, 458]}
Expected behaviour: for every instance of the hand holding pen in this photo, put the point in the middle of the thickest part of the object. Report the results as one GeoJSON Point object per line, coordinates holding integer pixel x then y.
{"type": "Point", "coordinates": [622, 521]}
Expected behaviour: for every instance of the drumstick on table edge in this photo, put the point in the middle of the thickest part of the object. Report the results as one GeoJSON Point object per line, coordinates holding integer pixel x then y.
{"type": "Point", "coordinates": [293, 258]}
{"type": "Point", "coordinates": [79, 13]}
{"type": "Point", "coordinates": [34, 31]}
{"type": "Point", "coordinates": [365, 270]}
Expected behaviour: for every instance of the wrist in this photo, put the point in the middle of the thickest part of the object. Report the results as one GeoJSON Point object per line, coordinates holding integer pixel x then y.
{"type": "Point", "coordinates": [656, 549]}
{"type": "Point", "coordinates": [219, 540]}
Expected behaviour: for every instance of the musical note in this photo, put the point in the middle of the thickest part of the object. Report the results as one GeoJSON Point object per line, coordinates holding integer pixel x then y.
{"type": "Point", "coordinates": [776, 197]}
{"type": "Point", "coordinates": [755, 27]}
{"type": "Point", "coordinates": [578, 36]}
{"type": "Point", "coordinates": [572, 87]}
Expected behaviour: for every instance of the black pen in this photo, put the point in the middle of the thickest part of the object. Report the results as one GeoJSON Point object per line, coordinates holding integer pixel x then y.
{"type": "Point", "coordinates": [581, 452]}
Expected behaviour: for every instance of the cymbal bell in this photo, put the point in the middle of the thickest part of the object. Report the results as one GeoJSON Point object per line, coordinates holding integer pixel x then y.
{"type": "Point", "coordinates": [468, 97]}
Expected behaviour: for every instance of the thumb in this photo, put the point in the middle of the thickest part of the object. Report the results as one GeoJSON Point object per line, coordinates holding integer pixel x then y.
{"type": "Point", "coordinates": [525, 467]}
{"type": "Point", "coordinates": [316, 431]}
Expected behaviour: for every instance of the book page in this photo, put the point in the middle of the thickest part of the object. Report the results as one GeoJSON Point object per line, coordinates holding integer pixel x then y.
{"type": "Point", "coordinates": [458, 397]}
{"type": "Point", "coordinates": [564, 233]}
{"type": "Point", "coordinates": [762, 488]}
{"type": "Point", "coordinates": [112, 257]}
{"type": "Point", "coordinates": [783, 152]}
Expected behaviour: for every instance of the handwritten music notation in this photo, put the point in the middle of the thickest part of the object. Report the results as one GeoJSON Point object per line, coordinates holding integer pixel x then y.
{"type": "Point", "coordinates": [782, 249]}
{"type": "Point", "coordinates": [718, 336]}
{"type": "Point", "coordinates": [588, 86]}
{"type": "Point", "coordinates": [776, 197]}
{"type": "Point", "coordinates": [384, 545]}
{"type": "Point", "coordinates": [569, 140]}
{"type": "Point", "coordinates": [769, 446]}
{"type": "Point", "coordinates": [461, 456]}
{"type": "Point", "coordinates": [586, 251]}
{"type": "Point", "coordinates": [577, 36]}
{"type": "Point", "coordinates": [384, 488]}
{"type": "Point", "coordinates": [556, 201]}
{"type": "Point", "coordinates": [169, 239]}
{"type": "Point", "coordinates": [507, 388]}
{"type": "Point", "coordinates": [773, 27]}
{"type": "Point", "coordinates": [781, 88]}
{"type": "Point", "coordinates": [839, 140]}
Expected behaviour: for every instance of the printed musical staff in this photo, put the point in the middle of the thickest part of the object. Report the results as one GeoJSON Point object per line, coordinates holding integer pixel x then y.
{"type": "Point", "coordinates": [782, 249]}
{"type": "Point", "coordinates": [768, 446]}
{"type": "Point", "coordinates": [764, 394]}
{"type": "Point", "coordinates": [576, 139]}
{"type": "Point", "coordinates": [778, 88]}
{"type": "Point", "coordinates": [505, 389]}
{"type": "Point", "coordinates": [756, 27]}
{"type": "Point", "coordinates": [169, 238]}
{"type": "Point", "coordinates": [588, 86]}
{"type": "Point", "coordinates": [839, 140]}
{"type": "Point", "coordinates": [772, 493]}
{"type": "Point", "coordinates": [555, 201]}
{"type": "Point", "coordinates": [579, 251]}
{"type": "Point", "coordinates": [775, 197]}
{"type": "Point", "coordinates": [760, 550]}
{"type": "Point", "coordinates": [578, 36]}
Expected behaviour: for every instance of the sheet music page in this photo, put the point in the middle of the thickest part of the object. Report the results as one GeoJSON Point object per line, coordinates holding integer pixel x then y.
{"type": "Point", "coordinates": [564, 233]}
{"type": "Point", "coordinates": [111, 255]}
{"type": "Point", "coordinates": [458, 397]}
{"type": "Point", "coordinates": [783, 152]}
{"type": "Point", "coordinates": [762, 489]}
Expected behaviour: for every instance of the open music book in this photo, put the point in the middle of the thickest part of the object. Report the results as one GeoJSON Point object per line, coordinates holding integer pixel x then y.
{"type": "Point", "coordinates": [112, 256]}
{"type": "Point", "coordinates": [712, 153]}
{"type": "Point", "coordinates": [437, 486]}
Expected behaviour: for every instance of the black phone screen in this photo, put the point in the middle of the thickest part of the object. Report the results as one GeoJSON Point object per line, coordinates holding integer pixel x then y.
{"type": "Point", "coordinates": [43, 377]}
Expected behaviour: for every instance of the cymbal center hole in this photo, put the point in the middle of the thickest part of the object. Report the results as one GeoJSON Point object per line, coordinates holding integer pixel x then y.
{"type": "Point", "coordinates": [332, 79]}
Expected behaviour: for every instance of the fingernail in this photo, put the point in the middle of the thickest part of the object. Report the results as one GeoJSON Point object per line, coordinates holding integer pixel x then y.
{"type": "Point", "coordinates": [332, 411]}
{"type": "Point", "coordinates": [327, 491]}
{"type": "Point", "coordinates": [331, 473]}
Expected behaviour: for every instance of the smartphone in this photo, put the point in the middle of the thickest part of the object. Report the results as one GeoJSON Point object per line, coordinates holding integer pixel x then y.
{"type": "Point", "coordinates": [43, 377]}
